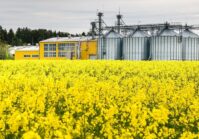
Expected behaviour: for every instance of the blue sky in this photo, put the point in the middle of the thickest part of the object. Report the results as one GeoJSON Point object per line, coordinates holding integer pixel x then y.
{"type": "Point", "coordinates": [75, 16]}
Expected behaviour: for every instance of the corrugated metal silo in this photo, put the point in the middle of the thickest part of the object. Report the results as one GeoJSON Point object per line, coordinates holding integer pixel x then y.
{"type": "Point", "coordinates": [110, 46]}
{"type": "Point", "coordinates": [166, 46]}
{"type": "Point", "coordinates": [135, 46]}
{"type": "Point", "coordinates": [100, 47]}
{"type": "Point", "coordinates": [190, 45]}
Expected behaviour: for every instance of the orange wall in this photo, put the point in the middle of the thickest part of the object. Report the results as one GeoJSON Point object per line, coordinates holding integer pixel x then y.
{"type": "Point", "coordinates": [19, 55]}
{"type": "Point", "coordinates": [88, 49]}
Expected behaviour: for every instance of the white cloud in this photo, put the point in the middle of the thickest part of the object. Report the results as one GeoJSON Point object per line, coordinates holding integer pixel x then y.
{"type": "Point", "coordinates": [76, 15]}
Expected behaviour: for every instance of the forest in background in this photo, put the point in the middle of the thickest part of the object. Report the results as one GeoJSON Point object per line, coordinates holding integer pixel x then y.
{"type": "Point", "coordinates": [24, 36]}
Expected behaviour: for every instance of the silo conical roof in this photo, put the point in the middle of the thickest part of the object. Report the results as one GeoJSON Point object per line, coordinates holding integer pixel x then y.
{"type": "Point", "coordinates": [113, 34]}
{"type": "Point", "coordinates": [168, 32]}
{"type": "Point", "coordinates": [187, 33]}
{"type": "Point", "coordinates": [138, 33]}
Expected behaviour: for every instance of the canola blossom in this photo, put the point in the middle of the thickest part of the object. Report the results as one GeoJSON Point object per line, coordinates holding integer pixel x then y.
{"type": "Point", "coordinates": [99, 99]}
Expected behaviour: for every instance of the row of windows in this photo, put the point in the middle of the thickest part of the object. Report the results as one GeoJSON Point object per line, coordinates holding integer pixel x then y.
{"type": "Point", "coordinates": [66, 48]}
{"type": "Point", "coordinates": [62, 47]}
{"type": "Point", "coordinates": [61, 54]}
{"type": "Point", "coordinates": [35, 56]}
{"type": "Point", "coordinates": [68, 44]}
{"type": "Point", "coordinates": [67, 54]}
{"type": "Point", "coordinates": [49, 54]}
{"type": "Point", "coordinates": [50, 47]}
{"type": "Point", "coordinates": [28, 56]}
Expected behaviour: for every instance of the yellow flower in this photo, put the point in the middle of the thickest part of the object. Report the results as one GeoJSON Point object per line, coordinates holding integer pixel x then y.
{"type": "Point", "coordinates": [99, 99]}
{"type": "Point", "coordinates": [31, 135]}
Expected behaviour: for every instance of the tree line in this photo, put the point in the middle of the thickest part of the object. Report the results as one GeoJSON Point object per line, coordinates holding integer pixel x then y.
{"type": "Point", "coordinates": [24, 36]}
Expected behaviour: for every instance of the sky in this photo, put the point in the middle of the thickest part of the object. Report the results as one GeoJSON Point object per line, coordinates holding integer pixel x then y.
{"type": "Point", "coordinates": [74, 16]}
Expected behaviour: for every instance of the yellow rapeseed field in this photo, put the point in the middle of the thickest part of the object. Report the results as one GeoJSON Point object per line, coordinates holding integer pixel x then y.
{"type": "Point", "coordinates": [99, 99]}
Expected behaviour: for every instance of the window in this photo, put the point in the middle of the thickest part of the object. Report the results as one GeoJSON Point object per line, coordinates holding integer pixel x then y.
{"type": "Point", "coordinates": [66, 54]}
{"type": "Point", "coordinates": [67, 50]}
{"type": "Point", "coordinates": [50, 50]}
{"type": "Point", "coordinates": [50, 47]}
{"type": "Point", "coordinates": [49, 54]}
{"type": "Point", "coordinates": [46, 47]}
{"type": "Point", "coordinates": [26, 56]}
{"type": "Point", "coordinates": [66, 46]}
{"type": "Point", "coordinates": [35, 56]}
{"type": "Point", "coordinates": [92, 57]}
{"type": "Point", "coordinates": [45, 54]}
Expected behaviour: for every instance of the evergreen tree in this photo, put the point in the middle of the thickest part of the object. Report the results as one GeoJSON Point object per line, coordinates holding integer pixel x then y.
{"type": "Point", "coordinates": [25, 36]}
{"type": "Point", "coordinates": [3, 35]}
{"type": "Point", "coordinates": [11, 36]}
{"type": "Point", "coordinates": [83, 34]}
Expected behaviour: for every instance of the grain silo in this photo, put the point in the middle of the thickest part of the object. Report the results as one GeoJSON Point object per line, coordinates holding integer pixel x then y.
{"type": "Point", "coordinates": [166, 45]}
{"type": "Point", "coordinates": [110, 46]}
{"type": "Point", "coordinates": [190, 45]}
{"type": "Point", "coordinates": [100, 47]}
{"type": "Point", "coordinates": [135, 46]}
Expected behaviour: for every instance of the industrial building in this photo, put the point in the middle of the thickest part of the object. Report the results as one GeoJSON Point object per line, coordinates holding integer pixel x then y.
{"type": "Point", "coordinates": [111, 46]}
{"type": "Point", "coordinates": [167, 44]}
{"type": "Point", "coordinates": [167, 41]}
{"type": "Point", "coordinates": [68, 48]}
{"type": "Point", "coordinates": [140, 40]}
{"type": "Point", "coordinates": [58, 48]}
{"type": "Point", "coordinates": [27, 52]}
